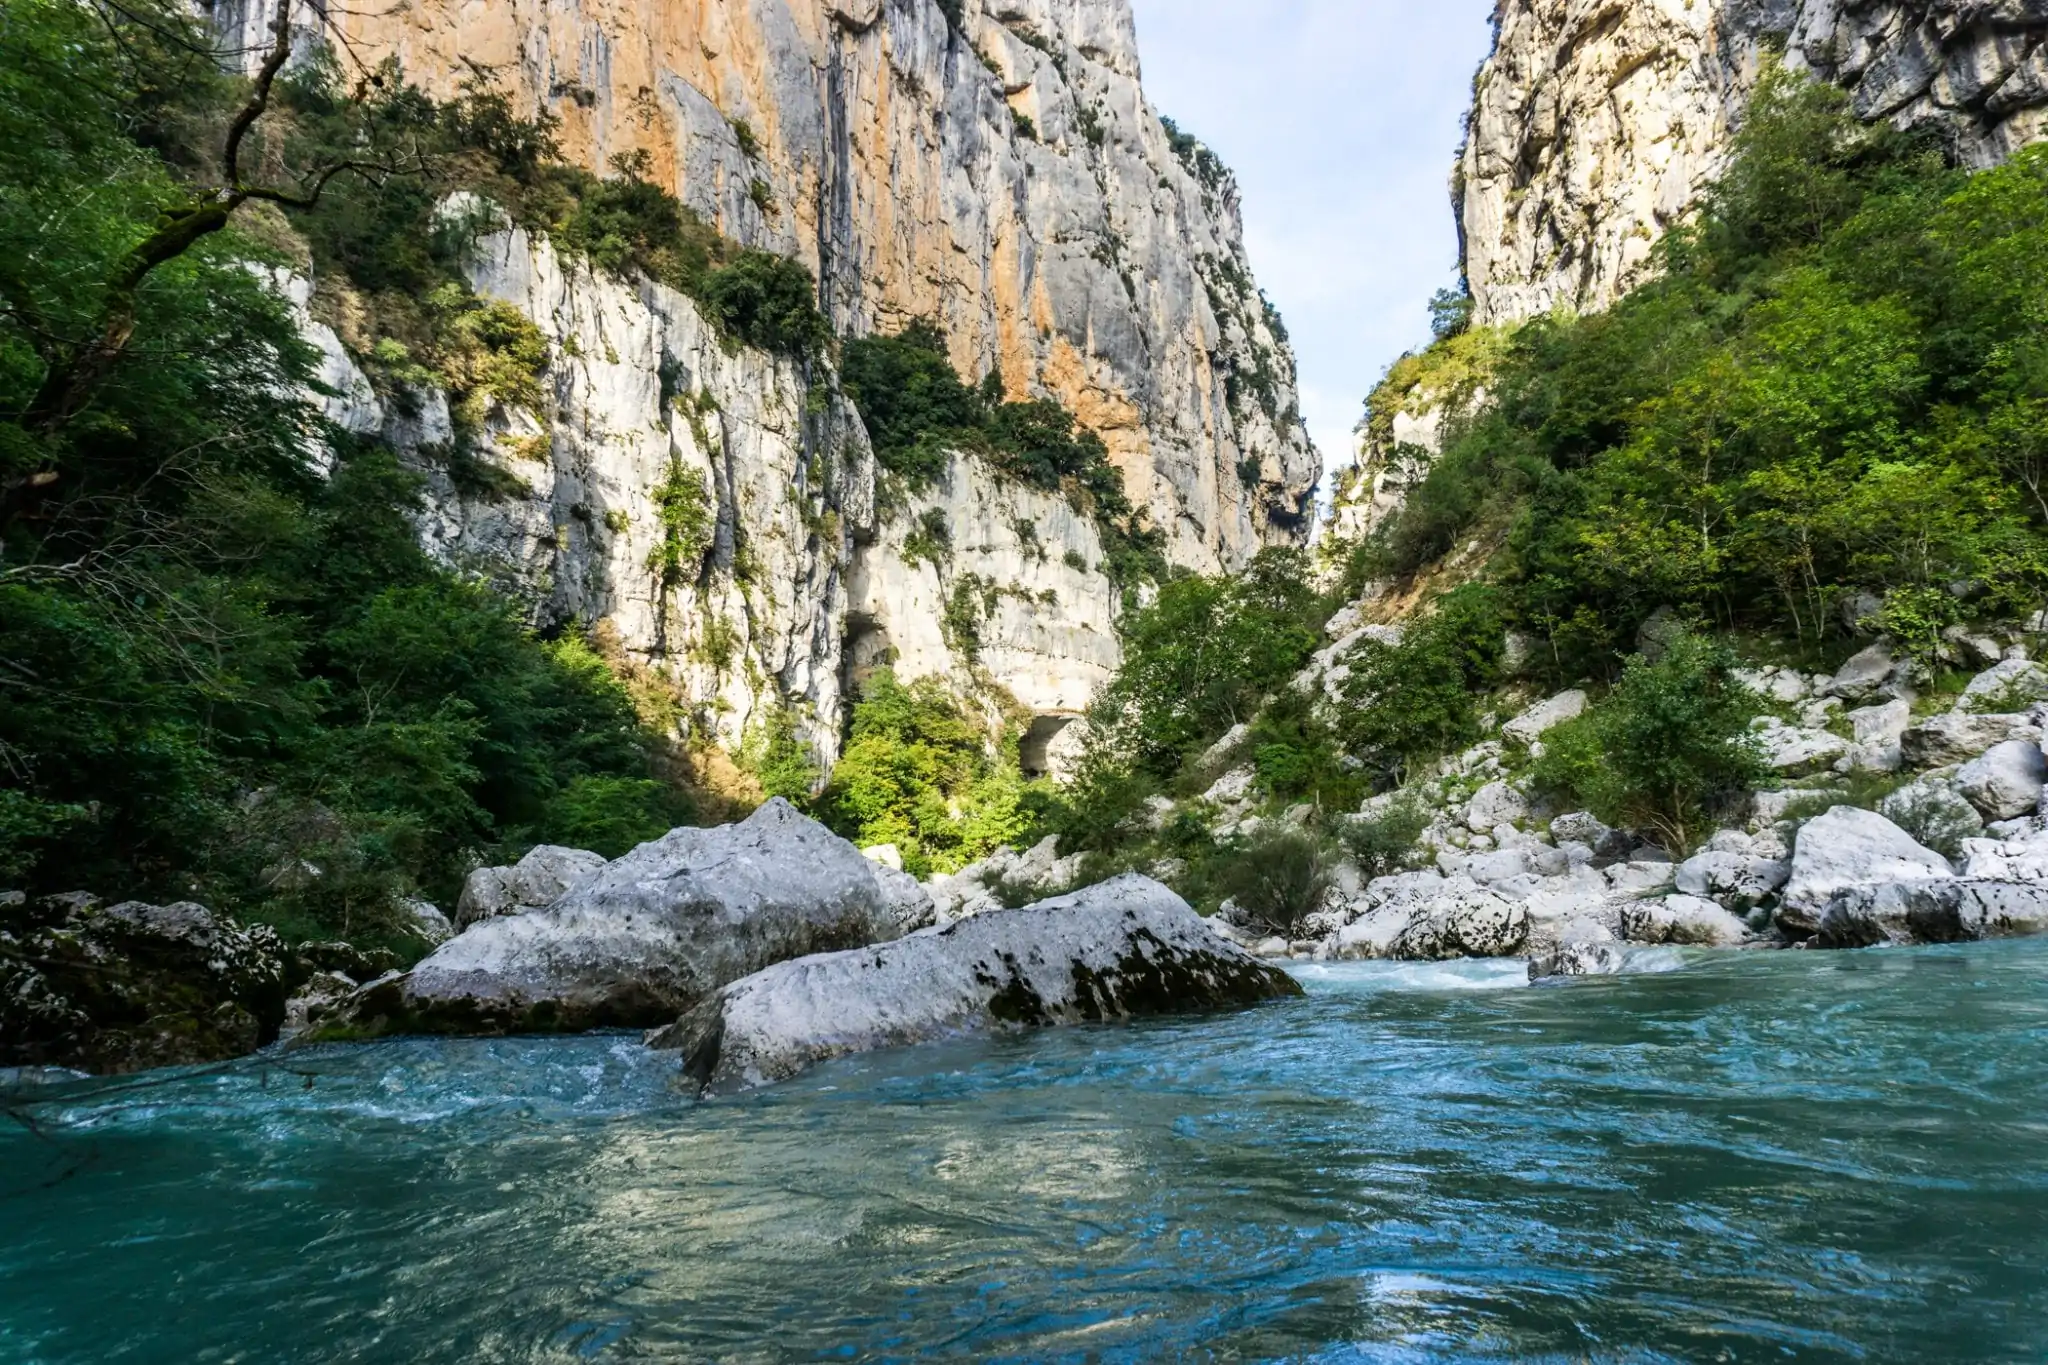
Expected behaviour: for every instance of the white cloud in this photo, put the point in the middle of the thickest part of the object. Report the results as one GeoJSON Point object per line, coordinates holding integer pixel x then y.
{"type": "Point", "coordinates": [1341, 119]}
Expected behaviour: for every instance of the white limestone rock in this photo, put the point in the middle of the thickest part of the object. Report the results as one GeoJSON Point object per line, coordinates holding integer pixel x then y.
{"type": "Point", "coordinates": [1597, 126]}
{"type": "Point", "coordinates": [2015, 682]}
{"type": "Point", "coordinates": [1740, 881]}
{"type": "Point", "coordinates": [1125, 949]}
{"type": "Point", "coordinates": [2006, 782]}
{"type": "Point", "coordinates": [1792, 751]}
{"type": "Point", "coordinates": [536, 880]}
{"type": "Point", "coordinates": [1959, 736]}
{"type": "Point", "coordinates": [1944, 910]}
{"type": "Point", "coordinates": [649, 936]}
{"type": "Point", "coordinates": [1494, 805]}
{"type": "Point", "coordinates": [1849, 847]}
{"type": "Point", "coordinates": [1545, 716]}
{"type": "Point", "coordinates": [1683, 920]}
{"type": "Point", "coordinates": [2022, 857]}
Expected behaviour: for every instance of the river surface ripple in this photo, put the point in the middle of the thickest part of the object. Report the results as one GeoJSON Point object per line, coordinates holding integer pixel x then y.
{"type": "Point", "coordinates": [1797, 1156]}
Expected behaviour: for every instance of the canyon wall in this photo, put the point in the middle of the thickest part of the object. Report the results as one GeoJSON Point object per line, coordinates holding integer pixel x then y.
{"type": "Point", "coordinates": [1596, 123]}
{"type": "Point", "coordinates": [990, 165]}
{"type": "Point", "coordinates": [996, 169]}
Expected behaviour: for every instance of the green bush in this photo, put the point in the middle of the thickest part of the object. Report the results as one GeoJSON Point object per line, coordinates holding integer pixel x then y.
{"type": "Point", "coordinates": [1414, 701]}
{"type": "Point", "coordinates": [1384, 840]}
{"type": "Point", "coordinates": [919, 772]}
{"type": "Point", "coordinates": [1668, 751]}
{"type": "Point", "coordinates": [1278, 878]}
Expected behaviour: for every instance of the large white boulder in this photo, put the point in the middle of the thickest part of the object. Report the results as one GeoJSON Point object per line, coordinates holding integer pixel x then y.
{"type": "Point", "coordinates": [1545, 716]}
{"type": "Point", "coordinates": [1864, 676]}
{"type": "Point", "coordinates": [1878, 730]}
{"type": "Point", "coordinates": [1462, 923]}
{"type": "Point", "coordinates": [1683, 920]}
{"type": "Point", "coordinates": [1850, 847]}
{"type": "Point", "coordinates": [1494, 805]}
{"type": "Point", "coordinates": [2006, 782]}
{"type": "Point", "coordinates": [650, 936]}
{"type": "Point", "coordinates": [1121, 950]}
{"type": "Point", "coordinates": [2021, 858]}
{"type": "Point", "coordinates": [2016, 683]}
{"type": "Point", "coordinates": [1793, 751]}
{"type": "Point", "coordinates": [1742, 880]}
{"type": "Point", "coordinates": [1943, 910]}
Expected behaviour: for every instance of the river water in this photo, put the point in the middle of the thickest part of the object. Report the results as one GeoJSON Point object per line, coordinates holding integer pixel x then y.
{"type": "Point", "coordinates": [1787, 1157]}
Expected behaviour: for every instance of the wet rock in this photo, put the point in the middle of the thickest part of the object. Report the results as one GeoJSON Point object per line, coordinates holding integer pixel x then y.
{"type": "Point", "coordinates": [1125, 949]}
{"type": "Point", "coordinates": [648, 937]}
{"type": "Point", "coordinates": [1683, 920]}
{"type": "Point", "coordinates": [539, 879]}
{"type": "Point", "coordinates": [323, 996]}
{"type": "Point", "coordinates": [1945, 910]}
{"type": "Point", "coordinates": [2006, 782]}
{"type": "Point", "coordinates": [1464, 923]}
{"type": "Point", "coordinates": [133, 986]}
{"type": "Point", "coordinates": [1579, 959]}
{"type": "Point", "coordinates": [1848, 847]}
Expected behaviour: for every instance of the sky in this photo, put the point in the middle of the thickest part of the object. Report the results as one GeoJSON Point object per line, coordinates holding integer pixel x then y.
{"type": "Point", "coordinates": [1342, 119]}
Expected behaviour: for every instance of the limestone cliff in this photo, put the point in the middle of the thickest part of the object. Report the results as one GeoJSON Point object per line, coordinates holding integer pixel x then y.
{"type": "Point", "coordinates": [992, 165]}
{"type": "Point", "coordinates": [1596, 123]}
{"type": "Point", "coordinates": [717, 514]}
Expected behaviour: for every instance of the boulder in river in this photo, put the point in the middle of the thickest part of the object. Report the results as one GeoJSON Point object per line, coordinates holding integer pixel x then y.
{"type": "Point", "coordinates": [112, 989]}
{"type": "Point", "coordinates": [649, 936]}
{"type": "Point", "coordinates": [1124, 949]}
{"type": "Point", "coordinates": [1944, 910]}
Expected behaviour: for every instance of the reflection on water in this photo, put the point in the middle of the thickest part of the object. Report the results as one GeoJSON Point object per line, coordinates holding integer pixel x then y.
{"type": "Point", "coordinates": [1803, 1156]}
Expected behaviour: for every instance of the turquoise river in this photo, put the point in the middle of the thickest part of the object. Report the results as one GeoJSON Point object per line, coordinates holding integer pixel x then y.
{"type": "Point", "coordinates": [1790, 1157]}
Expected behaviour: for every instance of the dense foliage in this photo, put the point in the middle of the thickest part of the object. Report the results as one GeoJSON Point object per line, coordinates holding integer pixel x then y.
{"type": "Point", "coordinates": [1837, 384]}
{"type": "Point", "coordinates": [224, 672]}
{"type": "Point", "coordinates": [1667, 751]}
{"type": "Point", "coordinates": [918, 774]}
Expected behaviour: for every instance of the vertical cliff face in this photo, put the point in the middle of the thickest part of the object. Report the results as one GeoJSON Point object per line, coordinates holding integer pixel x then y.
{"type": "Point", "coordinates": [1596, 123]}
{"type": "Point", "coordinates": [996, 169]}
{"type": "Point", "coordinates": [990, 165]}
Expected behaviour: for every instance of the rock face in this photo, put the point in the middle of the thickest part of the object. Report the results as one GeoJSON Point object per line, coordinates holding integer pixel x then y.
{"type": "Point", "coordinates": [992, 165]}
{"type": "Point", "coordinates": [1596, 124]}
{"type": "Point", "coordinates": [133, 986]}
{"type": "Point", "coordinates": [1125, 949]}
{"type": "Point", "coordinates": [649, 936]}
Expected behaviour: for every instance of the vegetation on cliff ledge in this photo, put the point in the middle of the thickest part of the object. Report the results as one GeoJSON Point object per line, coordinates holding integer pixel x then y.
{"type": "Point", "coordinates": [1833, 391]}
